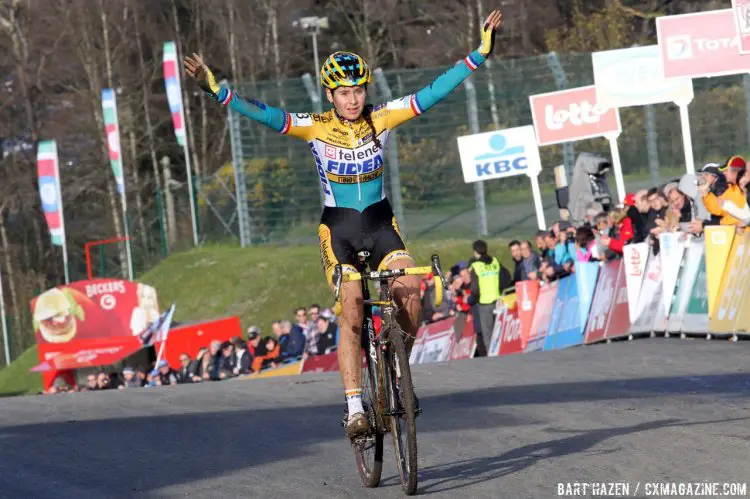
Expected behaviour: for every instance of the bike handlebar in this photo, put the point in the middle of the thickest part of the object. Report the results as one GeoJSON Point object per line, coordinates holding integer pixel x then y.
{"type": "Point", "coordinates": [339, 277]}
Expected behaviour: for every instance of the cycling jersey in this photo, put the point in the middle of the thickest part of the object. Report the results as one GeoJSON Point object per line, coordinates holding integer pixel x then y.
{"type": "Point", "coordinates": [349, 164]}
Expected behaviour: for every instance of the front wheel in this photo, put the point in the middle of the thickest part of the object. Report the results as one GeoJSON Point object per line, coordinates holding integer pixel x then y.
{"type": "Point", "coordinates": [400, 396]}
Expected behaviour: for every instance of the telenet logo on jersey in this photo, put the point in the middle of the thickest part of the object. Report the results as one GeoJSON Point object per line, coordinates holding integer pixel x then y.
{"type": "Point", "coordinates": [499, 154]}
{"type": "Point", "coordinates": [343, 165]}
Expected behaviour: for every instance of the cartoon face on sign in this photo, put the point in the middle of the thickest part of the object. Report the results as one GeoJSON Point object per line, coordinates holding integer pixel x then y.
{"type": "Point", "coordinates": [56, 315]}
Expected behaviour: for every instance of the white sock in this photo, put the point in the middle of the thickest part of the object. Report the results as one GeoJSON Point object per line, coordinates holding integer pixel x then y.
{"type": "Point", "coordinates": [354, 401]}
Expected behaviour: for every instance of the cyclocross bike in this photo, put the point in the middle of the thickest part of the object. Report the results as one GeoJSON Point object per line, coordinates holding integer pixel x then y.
{"type": "Point", "coordinates": [387, 389]}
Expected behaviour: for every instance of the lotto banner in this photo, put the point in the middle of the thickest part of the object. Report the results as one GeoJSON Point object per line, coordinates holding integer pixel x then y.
{"type": "Point", "coordinates": [696, 314]}
{"type": "Point", "coordinates": [671, 249]}
{"type": "Point", "coordinates": [635, 257]}
{"type": "Point", "coordinates": [718, 246]}
{"type": "Point", "coordinates": [570, 115]}
{"type": "Point", "coordinates": [650, 311]}
{"type": "Point", "coordinates": [174, 92]}
{"type": "Point", "coordinates": [596, 326]}
{"type": "Point", "coordinates": [48, 172]}
{"type": "Point", "coordinates": [734, 287]}
{"type": "Point", "coordinates": [684, 288]}
{"type": "Point", "coordinates": [542, 315]}
{"type": "Point", "coordinates": [112, 129]}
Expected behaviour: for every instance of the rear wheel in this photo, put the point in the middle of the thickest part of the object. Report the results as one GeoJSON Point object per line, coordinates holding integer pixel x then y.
{"type": "Point", "coordinates": [369, 450]}
{"type": "Point", "coordinates": [400, 395]}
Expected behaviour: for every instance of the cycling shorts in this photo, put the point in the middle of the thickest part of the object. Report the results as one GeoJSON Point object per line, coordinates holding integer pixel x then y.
{"type": "Point", "coordinates": [343, 232]}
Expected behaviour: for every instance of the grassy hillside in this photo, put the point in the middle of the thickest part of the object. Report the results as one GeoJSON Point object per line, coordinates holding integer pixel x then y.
{"type": "Point", "coordinates": [16, 378]}
{"type": "Point", "coordinates": [261, 284]}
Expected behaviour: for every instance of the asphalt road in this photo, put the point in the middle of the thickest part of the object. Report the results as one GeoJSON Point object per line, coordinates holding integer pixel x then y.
{"type": "Point", "coordinates": [645, 411]}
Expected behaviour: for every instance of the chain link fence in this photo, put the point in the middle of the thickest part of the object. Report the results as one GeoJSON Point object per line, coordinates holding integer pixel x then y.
{"type": "Point", "coordinates": [280, 188]}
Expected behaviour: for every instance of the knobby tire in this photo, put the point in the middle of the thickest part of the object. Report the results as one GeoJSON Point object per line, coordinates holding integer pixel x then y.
{"type": "Point", "coordinates": [401, 388]}
{"type": "Point", "coordinates": [370, 456]}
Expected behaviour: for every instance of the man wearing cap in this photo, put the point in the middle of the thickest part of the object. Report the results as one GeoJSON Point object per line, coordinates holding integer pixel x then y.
{"type": "Point", "coordinates": [488, 280]}
{"type": "Point", "coordinates": [129, 379]}
{"type": "Point", "coordinates": [720, 205]}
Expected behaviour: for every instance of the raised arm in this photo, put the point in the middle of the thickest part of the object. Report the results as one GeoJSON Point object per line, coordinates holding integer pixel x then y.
{"type": "Point", "coordinates": [411, 106]}
{"type": "Point", "coordinates": [272, 117]}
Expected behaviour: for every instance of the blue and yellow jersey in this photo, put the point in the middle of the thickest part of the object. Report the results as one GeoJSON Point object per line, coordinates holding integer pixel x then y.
{"type": "Point", "coordinates": [349, 164]}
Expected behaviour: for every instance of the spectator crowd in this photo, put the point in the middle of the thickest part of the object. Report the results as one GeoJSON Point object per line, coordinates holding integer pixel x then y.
{"type": "Point", "coordinates": [314, 332]}
{"type": "Point", "coordinates": [716, 195]}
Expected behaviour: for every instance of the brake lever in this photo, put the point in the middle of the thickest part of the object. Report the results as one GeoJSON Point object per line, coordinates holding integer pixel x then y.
{"type": "Point", "coordinates": [337, 276]}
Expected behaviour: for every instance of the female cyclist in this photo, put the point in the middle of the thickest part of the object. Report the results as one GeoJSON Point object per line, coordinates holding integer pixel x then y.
{"type": "Point", "coordinates": [348, 144]}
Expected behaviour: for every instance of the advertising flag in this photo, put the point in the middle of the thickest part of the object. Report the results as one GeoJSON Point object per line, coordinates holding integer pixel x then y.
{"type": "Point", "coordinates": [112, 127]}
{"type": "Point", "coordinates": [48, 172]}
{"type": "Point", "coordinates": [174, 91]}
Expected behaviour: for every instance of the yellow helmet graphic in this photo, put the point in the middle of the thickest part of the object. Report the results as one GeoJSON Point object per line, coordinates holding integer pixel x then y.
{"type": "Point", "coordinates": [344, 69]}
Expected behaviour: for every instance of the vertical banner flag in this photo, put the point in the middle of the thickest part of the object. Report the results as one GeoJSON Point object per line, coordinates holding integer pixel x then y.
{"type": "Point", "coordinates": [112, 127]}
{"type": "Point", "coordinates": [174, 92]}
{"type": "Point", "coordinates": [174, 97]}
{"type": "Point", "coordinates": [49, 189]}
{"type": "Point", "coordinates": [741, 9]}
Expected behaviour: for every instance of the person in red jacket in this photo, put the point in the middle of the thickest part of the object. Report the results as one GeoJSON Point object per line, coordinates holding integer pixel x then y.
{"type": "Point", "coordinates": [624, 224]}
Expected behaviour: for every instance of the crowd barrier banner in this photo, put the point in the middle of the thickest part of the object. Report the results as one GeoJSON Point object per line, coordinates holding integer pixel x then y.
{"type": "Point", "coordinates": [572, 307]}
{"type": "Point", "coordinates": [684, 287]}
{"type": "Point", "coordinates": [465, 340]}
{"type": "Point", "coordinates": [292, 369]}
{"type": "Point", "coordinates": [527, 294]}
{"type": "Point", "coordinates": [618, 322]}
{"type": "Point", "coordinates": [512, 339]}
{"type": "Point", "coordinates": [718, 246]}
{"type": "Point", "coordinates": [696, 315]}
{"type": "Point", "coordinates": [743, 319]}
{"type": "Point", "coordinates": [635, 257]}
{"type": "Point", "coordinates": [733, 287]}
{"type": "Point", "coordinates": [438, 340]}
{"type": "Point", "coordinates": [321, 363]}
{"type": "Point", "coordinates": [542, 314]}
{"type": "Point", "coordinates": [596, 326]}
{"type": "Point", "coordinates": [416, 350]}
{"type": "Point", "coordinates": [671, 250]}
{"type": "Point", "coordinates": [566, 300]}
{"type": "Point", "coordinates": [650, 308]}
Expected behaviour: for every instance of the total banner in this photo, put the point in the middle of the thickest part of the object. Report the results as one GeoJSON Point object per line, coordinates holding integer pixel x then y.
{"type": "Point", "coordinates": [507, 338]}
{"type": "Point", "coordinates": [527, 294]}
{"type": "Point", "coordinates": [734, 287]}
{"type": "Point", "coordinates": [701, 44]}
{"type": "Point", "coordinates": [596, 326]}
{"type": "Point", "coordinates": [542, 316]}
